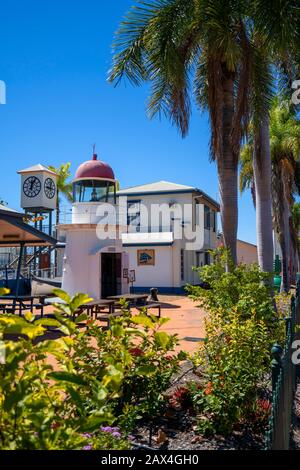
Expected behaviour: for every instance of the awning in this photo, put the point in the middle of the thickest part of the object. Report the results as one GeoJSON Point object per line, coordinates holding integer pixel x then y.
{"type": "Point", "coordinates": [14, 231]}
{"type": "Point", "coordinates": [148, 239]}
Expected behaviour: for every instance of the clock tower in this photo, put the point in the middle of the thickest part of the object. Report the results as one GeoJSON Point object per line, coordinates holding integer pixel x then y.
{"type": "Point", "coordinates": [38, 189]}
{"type": "Point", "coordinates": [38, 199]}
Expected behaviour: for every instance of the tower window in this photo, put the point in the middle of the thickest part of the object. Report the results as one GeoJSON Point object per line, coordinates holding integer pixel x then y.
{"type": "Point", "coordinates": [94, 191]}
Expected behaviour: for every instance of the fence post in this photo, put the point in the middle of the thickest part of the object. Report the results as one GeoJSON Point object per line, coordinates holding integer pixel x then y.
{"type": "Point", "coordinates": [276, 365]}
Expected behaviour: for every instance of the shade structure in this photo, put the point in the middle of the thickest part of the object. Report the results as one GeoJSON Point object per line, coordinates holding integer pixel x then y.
{"type": "Point", "coordinates": [15, 232]}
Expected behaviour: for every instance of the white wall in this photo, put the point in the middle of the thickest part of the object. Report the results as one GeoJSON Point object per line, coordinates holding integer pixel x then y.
{"type": "Point", "coordinates": [159, 275]}
{"type": "Point", "coordinates": [81, 263]}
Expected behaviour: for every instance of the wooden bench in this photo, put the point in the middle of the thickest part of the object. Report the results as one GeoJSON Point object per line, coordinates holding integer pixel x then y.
{"type": "Point", "coordinates": [153, 305]}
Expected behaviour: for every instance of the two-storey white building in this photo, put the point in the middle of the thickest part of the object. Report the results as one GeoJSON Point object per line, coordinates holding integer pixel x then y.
{"type": "Point", "coordinates": [170, 228]}
{"type": "Point", "coordinates": [159, 230]}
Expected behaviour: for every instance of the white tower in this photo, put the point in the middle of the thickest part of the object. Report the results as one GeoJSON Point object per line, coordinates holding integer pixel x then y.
{"type": "Point", "coordinates": [94, 264]}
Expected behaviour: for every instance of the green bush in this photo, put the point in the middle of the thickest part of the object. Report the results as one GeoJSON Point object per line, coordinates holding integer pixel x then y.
{"type": "Point", "coordinates": [244, 288]}
{"type": "Point", "coordinates": [234, 360]}
{"type": "Point", "coordinates": [95, 386]}
{"type": "Point", "coordinates": [241, 326]}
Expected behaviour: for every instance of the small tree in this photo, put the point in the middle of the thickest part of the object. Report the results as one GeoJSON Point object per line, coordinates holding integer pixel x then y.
{"type": "Point", "coordinates": [64, 187]}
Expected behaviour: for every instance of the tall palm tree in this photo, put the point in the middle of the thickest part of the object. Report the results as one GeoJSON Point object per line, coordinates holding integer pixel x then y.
{"type": "Point", "coordinates": [296, 231]}
{"type": "Point", "coordinates": [64, 187]}
{"type": "Point", "coordinates": [277, 38]}
{"type": "Point", "coordinates": [174, 42]}
{"type": "Point", "coordinates": [285, 153]}
{"type": "Point", "coordinates": [285, 149]}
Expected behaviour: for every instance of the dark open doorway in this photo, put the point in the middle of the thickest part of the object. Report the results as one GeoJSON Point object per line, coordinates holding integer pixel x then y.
{"type": "Point", "coordinates": [110, 274]}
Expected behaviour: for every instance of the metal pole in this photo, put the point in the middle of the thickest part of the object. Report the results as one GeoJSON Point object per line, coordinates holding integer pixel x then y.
{"type": "Point", "coordinates": [18, 275]}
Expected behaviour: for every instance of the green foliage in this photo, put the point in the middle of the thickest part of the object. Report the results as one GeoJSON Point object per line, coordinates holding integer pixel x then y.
{"type": "Point", "coordinates": [244, 288]}
{"type": "Point", "coordinates": [135, 346]}
{"type": "Point", "coordinates": [63, 185]}
{"type": "Point", "coordinates": [240, 327]}
{"type": "Point", "coordinates": [234, 359]}
{"type": "Point", "coordinates": [67, 393]}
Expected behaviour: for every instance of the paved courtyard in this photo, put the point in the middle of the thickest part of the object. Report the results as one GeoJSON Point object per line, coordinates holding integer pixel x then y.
{"type": "Point", "coordinates": [186, 320]}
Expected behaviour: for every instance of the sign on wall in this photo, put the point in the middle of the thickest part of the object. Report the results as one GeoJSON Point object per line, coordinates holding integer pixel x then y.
{"type": "Point", "coordinates": [146, 257]}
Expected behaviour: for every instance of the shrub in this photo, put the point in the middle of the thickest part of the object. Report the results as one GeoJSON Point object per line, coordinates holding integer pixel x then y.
{"type": "Point", "coordinates": [102, 380]}
{"type": "Point", "coordinates": [234, 360]}
{"type": "Point", "coordinates": [240, 328]}
{"type": "Point", "coordinates": [244, 288]}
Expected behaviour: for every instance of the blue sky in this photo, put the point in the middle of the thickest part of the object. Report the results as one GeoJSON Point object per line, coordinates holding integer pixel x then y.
{"type": "Point", "coordinates": [54, 59]}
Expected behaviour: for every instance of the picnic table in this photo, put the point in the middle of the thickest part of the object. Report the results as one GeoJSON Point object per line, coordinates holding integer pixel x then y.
{"type": "Point", "coordinates": [131, 298]}
{"type": "Point", "coordinates": [91, 308]}
{"type": "Point", "coordinates": [22, 302]}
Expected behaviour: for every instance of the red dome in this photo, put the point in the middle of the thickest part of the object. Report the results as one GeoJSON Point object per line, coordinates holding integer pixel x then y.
{"type": "Point", "coordinates": [94, 169]}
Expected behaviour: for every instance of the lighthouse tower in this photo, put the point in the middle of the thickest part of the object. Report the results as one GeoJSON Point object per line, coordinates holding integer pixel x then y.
{"type": "Point", "coordinates": [94, 260]}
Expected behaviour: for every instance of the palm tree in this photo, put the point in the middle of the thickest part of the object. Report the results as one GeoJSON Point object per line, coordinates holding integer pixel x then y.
{"type": "Point", "coordinates": [285, 152]}
{"type": "Point", "coordinates": [277, 38]}
{"type": "Point", "coordinates": [296, 231]}
{"type": "Point", "coordinates": [64, 187]}
{"type": "Point", "coordinates": [285, 149]}
{"type": "Point", "coordinates": [171, 42]}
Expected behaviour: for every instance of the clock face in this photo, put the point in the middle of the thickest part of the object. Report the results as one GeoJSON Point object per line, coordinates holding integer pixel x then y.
{"type": "Point", "coordinates": [32, 186]}
{"type": "Point", "coordinates": [50, 188]}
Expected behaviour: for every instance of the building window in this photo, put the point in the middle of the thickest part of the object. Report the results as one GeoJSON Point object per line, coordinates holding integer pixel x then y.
{"type": "Point", "coordinates": [199, 259]}
{"type": "Point", "coordinates": [214, 221]}
{"type": "Point", "coordinates": [206, 258]}
{"type": "Point", "coordinates": [182, 264]}
{"type": "Point", "coordinates": [210, 220]}
{"type": "Point", "coordinates": [134, 215]}
{"type": "Point", "coordinates": [206, 217]}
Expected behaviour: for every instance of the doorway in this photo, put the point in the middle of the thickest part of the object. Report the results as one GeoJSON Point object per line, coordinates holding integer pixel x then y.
{"type": "Point", "coordinates": [111, 281]}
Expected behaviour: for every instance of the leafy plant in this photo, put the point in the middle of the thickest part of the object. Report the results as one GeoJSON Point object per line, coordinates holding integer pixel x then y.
{"type": "Point", "coordinates": [240, 327]}
{"type": "Point", "coordinates": [244, 288]}
{"type": "Point", "coordinates": [234, 360]}
{"type": "Point", "coordinates": [66, 393]}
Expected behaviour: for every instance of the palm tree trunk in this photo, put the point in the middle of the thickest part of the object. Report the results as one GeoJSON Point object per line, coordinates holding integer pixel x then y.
{"type": "Point", "coordinates": [285, 248]}
{"type": "Point", "coordinates": [263, 196]}
{"type": "Point", "coordinates": [228, 174]}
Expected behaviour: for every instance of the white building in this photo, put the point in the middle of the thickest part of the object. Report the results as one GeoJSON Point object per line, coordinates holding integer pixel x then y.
{"type": "Point", "coordinates": [159, 254]}
{"type": "Point", "coordinates": [158, 231]}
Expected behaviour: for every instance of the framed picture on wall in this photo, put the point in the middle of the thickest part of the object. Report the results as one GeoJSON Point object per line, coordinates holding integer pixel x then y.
{"type": "Point", "coordinates": [131, 276]}
{"type": "Point", "coordinates": [146, 257]}
{"type": "Point", "coordinates": [125, 273]}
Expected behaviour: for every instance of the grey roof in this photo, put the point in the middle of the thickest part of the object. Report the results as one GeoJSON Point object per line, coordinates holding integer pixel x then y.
{"type": "Point", "coordinates": [165, 187]}
{"type": "Point", "coordinates": [37, 168]}
{"type": "Point", "coordinates": [157, 186]}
